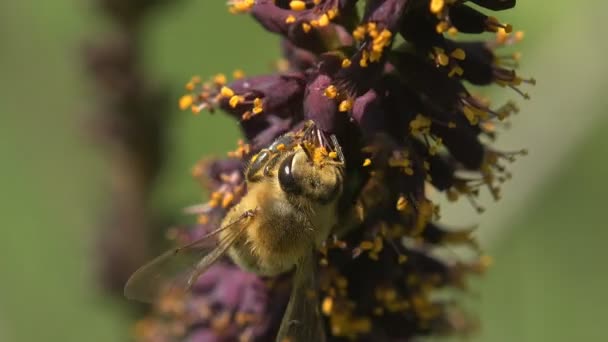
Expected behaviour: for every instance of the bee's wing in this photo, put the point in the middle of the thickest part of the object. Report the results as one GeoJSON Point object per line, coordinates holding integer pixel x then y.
{"type": "Point", "coordinates": [176, 270]}
{"type": "Point", "coordinates": [302, 321]}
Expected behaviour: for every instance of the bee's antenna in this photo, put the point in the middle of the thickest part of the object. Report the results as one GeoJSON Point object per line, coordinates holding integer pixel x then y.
{"type": "Point", "coordinates": [337, 147]}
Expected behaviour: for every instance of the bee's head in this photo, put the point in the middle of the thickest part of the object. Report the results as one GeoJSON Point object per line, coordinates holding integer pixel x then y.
{"type": "Point", "coordinates": [318, 179]}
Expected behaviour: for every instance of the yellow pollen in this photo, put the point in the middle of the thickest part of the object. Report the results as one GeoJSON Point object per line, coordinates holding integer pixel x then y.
{"type": "Point", "coordinates": [281, 147]}
{"type": "Point", "coordinates": [297, 5]}
{"type": "Point", "coordinates": [346, 63]}
{"type": "Point", "coordinates": [345, 105]}
{"type": "Point", "coordinates": [332, 13]}
{"type": "Point", "coordinates": [185, 102]}
{"type": "Point", "coordinates": [367, 162]}
{"type": "Point", "coordinates": [331, 92]}
{"type": "Point", "coordinates": [290, 19]}
{"type": "Point", "coordinates": [306, 27]}
{"type": "Point", "coordinates": [226, 92]}
{"type": "Point", "coordinates": [436, 6]}
{"type": "Point", "coordinates": [333, 155]}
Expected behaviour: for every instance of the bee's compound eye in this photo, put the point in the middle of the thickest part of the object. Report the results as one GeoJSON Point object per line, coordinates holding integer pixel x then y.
{"type": "Point", "coordinates": [286, 177]}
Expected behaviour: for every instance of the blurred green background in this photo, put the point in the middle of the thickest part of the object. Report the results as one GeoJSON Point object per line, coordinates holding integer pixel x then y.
{"type": "Point", "coordinates": [547, 235]}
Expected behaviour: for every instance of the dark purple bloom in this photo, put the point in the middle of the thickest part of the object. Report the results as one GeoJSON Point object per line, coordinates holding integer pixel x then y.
{"type": "Point", "coordinates": [406, 123]}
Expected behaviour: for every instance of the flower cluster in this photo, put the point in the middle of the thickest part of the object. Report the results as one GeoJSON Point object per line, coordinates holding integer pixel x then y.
{"type": "Point", "coordinates": [388, 80]}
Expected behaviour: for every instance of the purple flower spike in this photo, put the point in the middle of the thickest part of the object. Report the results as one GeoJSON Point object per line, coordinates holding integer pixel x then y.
{"type": "Point", "coordinates": [390, 82]}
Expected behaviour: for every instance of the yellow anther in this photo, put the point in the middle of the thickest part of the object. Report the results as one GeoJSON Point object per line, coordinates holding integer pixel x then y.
{"type": "Point", "coordinates": [333, 155]}
{"type": "Point", "coordinates": [219, 79]}
{"type": "Point", "coordinates": [238, 74]}
{"type": "Point", "coordinates": [401, 259]}
{"type": "Point", "coordinates": [185, 102]}
{"type": "Point", "coordinates": [327, 306]}
{"type": "Point", "coordinates": [401, 203]}
{"type": "Point", "coordinates": [323, 20]}
{"type": "Point", "coordinates": [456, 70]}
{"type": "Point", "coordinates": [257, 102]}
{"type": "Point", "coordinates": [290, 19]}
{"type": "Point", "coordinates": [420, 125]}
{"type": "Point", "coordinates": [297, 5]}
{"type": "Point", "coordinates": [202, 219]}
{"type": "Point", "coordinates": [442, 27]}
{"type": "Point", "coordinates": [226, 92]}
{"type": "Point", "coordinates": [470, 115]}
{"type": "Point", "coordinates": [442, 59]}
{"type": "Point", "coordinates": [367, 162]}
{"type": "Point", "coordinates": [240, 6]}
{"type": "Point", "coordinates": [346, 63]}
{"type": "Point", "coordinates": [332, 13]}
{"type": "Point", "coordinates": [331, 92]}
{"type": "Point", "coordinates": [306, 27]}
{"type": "Point", "coordinates": [458, 54]}
{"type": "Point", "coordinates": [378, 244]}
{"type": "Point", "coordinates": [235, 100]}
{"type": "Point", "coordinates": [227, 199]}
{"type": "Point", "coordinates": [247, 115]}
{"type": "Point", "coordinates": [371, 26]}
{"type": "Point", "coordinates": [366, 245]}
{"type": "Point", "coordinates": [436, 6]}
{"type": "Point", "coordinates": [345, 105]}
{"type": "Point", "coordinates": [281, 147]}
{"type": "Point", "coordinates": [359, 33]}
{"type": "Point", "coordinates": [363, 60]}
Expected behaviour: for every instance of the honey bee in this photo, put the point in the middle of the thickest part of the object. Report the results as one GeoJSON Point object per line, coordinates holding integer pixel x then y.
{"type": "Point", "coordinates": [288, 212]}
